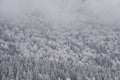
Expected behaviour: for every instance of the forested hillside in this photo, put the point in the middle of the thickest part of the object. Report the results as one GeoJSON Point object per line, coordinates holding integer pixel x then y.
{"type": "Point", "coordinates": [33, 48]}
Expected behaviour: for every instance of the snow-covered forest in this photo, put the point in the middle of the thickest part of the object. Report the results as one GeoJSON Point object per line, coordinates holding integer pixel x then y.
{"type": "Point", "coordinates": [59, 40]}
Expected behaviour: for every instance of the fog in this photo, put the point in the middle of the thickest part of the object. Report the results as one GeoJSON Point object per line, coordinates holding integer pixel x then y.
{"type": "Point", "coordinates": [63, 10]}
{"type": "Point", "coordinates": [105, 10]}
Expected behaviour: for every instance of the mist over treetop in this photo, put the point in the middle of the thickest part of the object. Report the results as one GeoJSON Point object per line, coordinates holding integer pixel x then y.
{"type": "Point", "coordinates": [63, 10]}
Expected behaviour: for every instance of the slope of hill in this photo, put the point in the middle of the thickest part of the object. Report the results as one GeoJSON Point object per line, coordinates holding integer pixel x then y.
{"type": "Point", "coordinates": [80, 47]}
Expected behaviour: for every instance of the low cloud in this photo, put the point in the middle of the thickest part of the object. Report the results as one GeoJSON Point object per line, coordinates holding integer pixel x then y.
{"type": "Point", "coordinates": [63, 10]}
{"type": "Point", "coordinates": [105, 10]}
